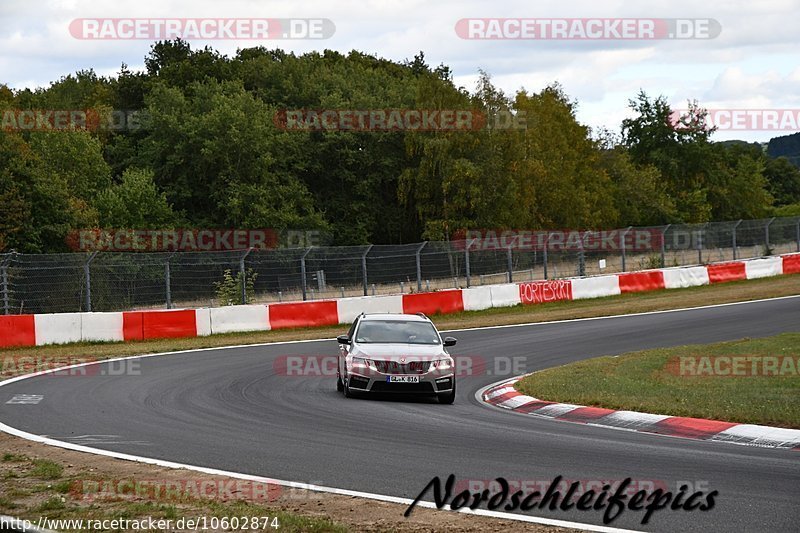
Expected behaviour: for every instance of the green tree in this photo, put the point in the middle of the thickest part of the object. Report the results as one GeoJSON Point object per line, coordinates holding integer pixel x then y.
{"type": "Point", "coordinates": [215, 152]}
{"type": "Point", "coordinates": [135, 202]}
{"type": "Point", "coordinates": [561, 176]}
{"type": "Point", "coordinates": [737, 188]}
{"type": "Point", "coordinates": [681, 151]}
{"type": "Point", "coordinates": [783, 180]}
{"type": "Point", "coordinates": [639, 194]}
{"type": "Point", "coordinates": [77, 157]}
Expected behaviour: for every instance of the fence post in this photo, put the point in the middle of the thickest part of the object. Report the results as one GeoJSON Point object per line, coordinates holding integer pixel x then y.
{"type": "Point", "coordinates": [364, 267]}
{"type": "Point", "coordinates": [734, 238]}
{"type": "Point", "coordinates": [798, 235]}
{"type": "Point", "coordinates": [664, 246]}
{"type": "Point", "coordinates": [303, 273]}
{"type": "Point", "coordinates": [510, 265]}
{"type": "Point", "coordinates": [701, 239]}
{"type": "Point", "coordinates": [582, 255]}
{"type": "Point", "coordinates": [766, 236]}
{"type": "Point", "coordinates": [167, 284]}
{"type": "Point", "coordinates": [88, 278]}
{"type": "Point", "coordinates": [622, 244]}
{"type": "Point", "coordinates": [244, 276]}
{"type": "Point", "coordinates": [168, 280]}
{"type": "Point", "coordinates": [466, 260]}
{"type": "Point", "coordinates": [544, 253]}
{"type": "Point", "coordinates": [419, 266]}
{"type": "Point", "coordinates": [4, 272]}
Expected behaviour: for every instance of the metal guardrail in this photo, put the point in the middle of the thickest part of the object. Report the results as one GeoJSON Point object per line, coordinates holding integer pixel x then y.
{"type": "Point", "coordinates": [111, 281]}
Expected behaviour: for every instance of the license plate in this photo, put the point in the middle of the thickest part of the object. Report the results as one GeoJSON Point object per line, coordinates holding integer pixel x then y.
{"type": "Point", "coordinates": [402, 379]}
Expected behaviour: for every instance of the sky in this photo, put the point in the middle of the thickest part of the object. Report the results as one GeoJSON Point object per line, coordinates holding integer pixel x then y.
{"type": "Point", "coordinates": [752, 65]}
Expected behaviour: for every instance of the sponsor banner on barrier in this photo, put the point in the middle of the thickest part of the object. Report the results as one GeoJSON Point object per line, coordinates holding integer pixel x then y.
{"type": "Point", "coordinates": [735, 366]}
{"type": "Point", "coordinates": [538, 292]}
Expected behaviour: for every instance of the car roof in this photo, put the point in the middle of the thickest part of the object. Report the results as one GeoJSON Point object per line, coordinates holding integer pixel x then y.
{"type": "Point", "coordinates": [395, 316]}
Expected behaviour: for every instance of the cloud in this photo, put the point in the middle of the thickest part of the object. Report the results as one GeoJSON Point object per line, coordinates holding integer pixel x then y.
{"type": "Point", "coordinates": [752, 62]}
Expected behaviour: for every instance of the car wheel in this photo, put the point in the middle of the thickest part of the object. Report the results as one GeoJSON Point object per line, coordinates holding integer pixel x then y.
{"type": "Point", "coordinates": [346, 389]}
{"type": "Point", "coordinates": [339, 384]}
{"type": "Point", "coordinates": [448, 397]}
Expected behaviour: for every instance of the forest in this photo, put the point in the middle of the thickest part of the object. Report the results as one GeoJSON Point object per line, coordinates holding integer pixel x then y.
{"type": "Point", "coordinates": [200, 147]}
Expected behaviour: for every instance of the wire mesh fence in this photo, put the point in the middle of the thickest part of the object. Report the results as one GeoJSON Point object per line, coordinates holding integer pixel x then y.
{"type": "Point", "coordinates": [112, 281]}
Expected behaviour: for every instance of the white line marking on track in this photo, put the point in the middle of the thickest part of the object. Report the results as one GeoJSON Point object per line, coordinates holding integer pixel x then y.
{"type": "Point", "coordinates": [25, 399]}
{"type": "Point", "coordinates": [297, 485]}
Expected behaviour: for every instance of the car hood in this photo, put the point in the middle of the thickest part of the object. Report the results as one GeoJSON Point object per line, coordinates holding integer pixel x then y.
{"type": "Point", "coordinates": [396, 351]}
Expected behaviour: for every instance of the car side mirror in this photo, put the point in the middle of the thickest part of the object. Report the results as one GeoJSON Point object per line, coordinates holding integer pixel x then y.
{"type": "Point", "coordinates": [450, 341]}
{"type": "Point", "coordinates": [343, 339]}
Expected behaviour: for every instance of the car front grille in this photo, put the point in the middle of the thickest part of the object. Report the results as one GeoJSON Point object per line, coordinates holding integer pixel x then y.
{"type": "Point", "coordinates": [393, 367]}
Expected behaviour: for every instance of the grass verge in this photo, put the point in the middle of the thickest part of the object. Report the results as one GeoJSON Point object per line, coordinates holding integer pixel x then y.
{"type": "Point", "coordinates": [659, 381]}
{"type": "Point", "coordinates": [91, 487]}
{"type": "Point", "coordinates": [14, 359]}
{"type": "Point", "coordinates": [34, 487]}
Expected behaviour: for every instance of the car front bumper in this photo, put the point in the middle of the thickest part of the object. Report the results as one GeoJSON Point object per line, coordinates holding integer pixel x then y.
{"type": "Point", "coordinates": [432, 383]}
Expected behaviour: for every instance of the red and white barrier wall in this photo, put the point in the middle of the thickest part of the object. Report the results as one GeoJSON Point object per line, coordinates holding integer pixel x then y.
{"type": "Point", "coordinates": [36, 330]}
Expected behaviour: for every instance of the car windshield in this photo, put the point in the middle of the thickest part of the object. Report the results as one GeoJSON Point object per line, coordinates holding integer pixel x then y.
{"type": "Point", "coordinates": [397, 331]}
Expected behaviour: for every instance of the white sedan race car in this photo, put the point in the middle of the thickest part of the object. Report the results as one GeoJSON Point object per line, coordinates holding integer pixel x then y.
{"type": "Point", "coordinates": [396, 353]}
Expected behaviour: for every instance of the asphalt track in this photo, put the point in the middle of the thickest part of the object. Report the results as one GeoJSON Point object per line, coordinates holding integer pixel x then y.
{"type": "Point", "coordinates": [229, 409]}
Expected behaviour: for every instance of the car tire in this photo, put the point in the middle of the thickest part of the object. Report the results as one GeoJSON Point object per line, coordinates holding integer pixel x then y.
{"type": "Point", "coordinates": [339, 384]}
{"type": "Point", "coordinates": [346, 389]}
{"type": "Point", "coordinates": [448, 397]}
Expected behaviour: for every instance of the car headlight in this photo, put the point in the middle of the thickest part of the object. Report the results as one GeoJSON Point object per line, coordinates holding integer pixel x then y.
{"type": "Point", "coordinates": [364, 362]}
{"type": "Point", "coordinates": [442, 364]}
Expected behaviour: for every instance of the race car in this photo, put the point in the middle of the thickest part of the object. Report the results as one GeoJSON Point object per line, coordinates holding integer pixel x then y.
{"type": "Point", "coordinates": [396, 353]}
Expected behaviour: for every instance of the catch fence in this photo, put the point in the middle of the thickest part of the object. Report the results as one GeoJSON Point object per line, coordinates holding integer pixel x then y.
{"type": "Point", "coordinates": [113, 281]}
